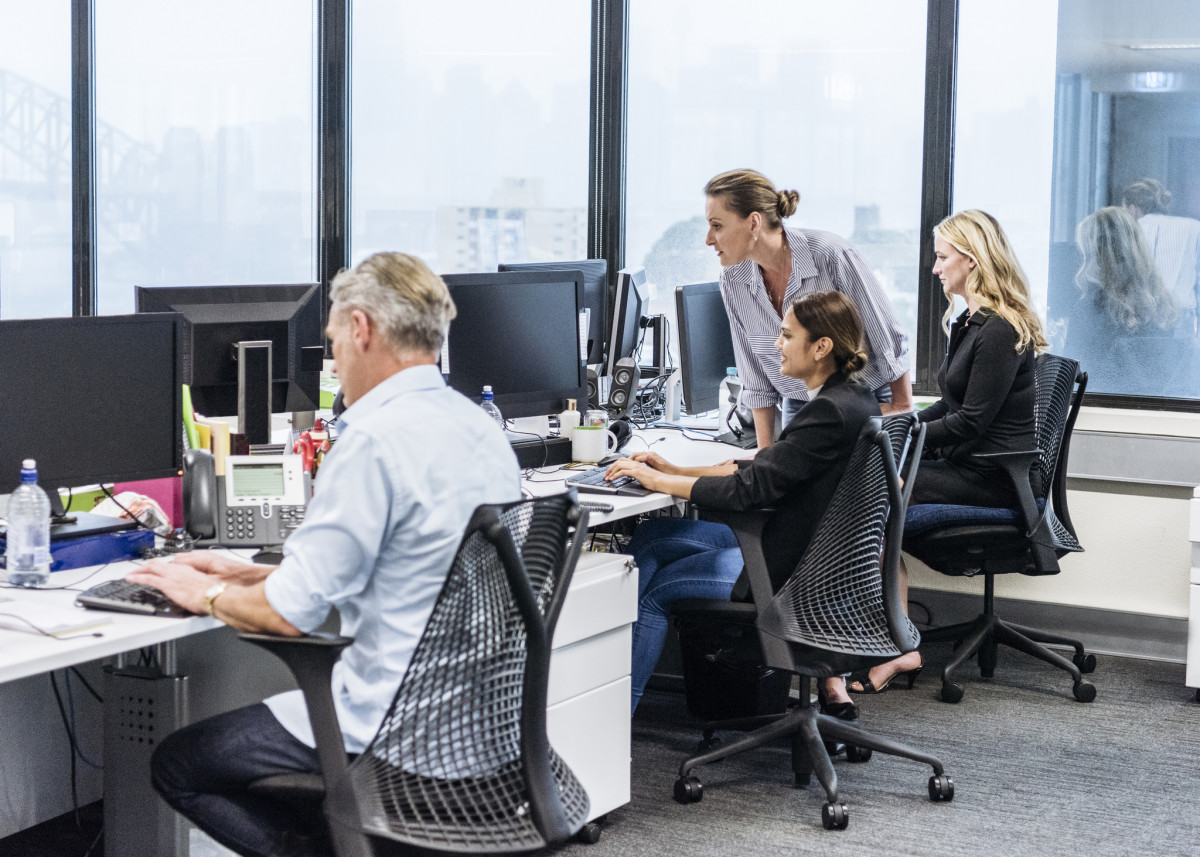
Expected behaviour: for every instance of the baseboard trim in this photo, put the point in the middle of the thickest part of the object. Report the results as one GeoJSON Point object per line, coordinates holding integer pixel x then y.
{"type": "Point", "coordinates": [1109, 632]}
{"type": "Point", "coordinates": [1104, 632]}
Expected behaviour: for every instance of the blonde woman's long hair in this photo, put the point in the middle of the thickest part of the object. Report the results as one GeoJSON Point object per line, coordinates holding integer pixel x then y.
{"type": "Point", "coordinates": [1118, 271]}
{"type": "Point", "coordinates": [996, 283]}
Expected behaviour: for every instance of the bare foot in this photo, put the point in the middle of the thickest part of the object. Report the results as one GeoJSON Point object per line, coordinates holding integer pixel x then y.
{"type": "Point", "coordinates": [880, 676]}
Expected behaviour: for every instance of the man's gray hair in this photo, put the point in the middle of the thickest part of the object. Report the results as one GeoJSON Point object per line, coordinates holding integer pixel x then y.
{"type": "Point", "coordinates": [408, 302]}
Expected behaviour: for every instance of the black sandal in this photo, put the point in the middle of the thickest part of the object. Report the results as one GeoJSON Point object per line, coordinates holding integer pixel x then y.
{"type": "Point", "coordinates": [863, 677]}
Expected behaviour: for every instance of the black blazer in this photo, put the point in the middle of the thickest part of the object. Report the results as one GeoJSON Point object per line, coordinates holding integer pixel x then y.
{"type": "Point", "coordinates": [987, 393]}
{"type": "Point", "coordinates": [797, 474]}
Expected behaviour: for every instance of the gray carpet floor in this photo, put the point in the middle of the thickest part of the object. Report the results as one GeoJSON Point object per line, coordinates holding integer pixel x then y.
{"type": "Point", "coordinates": [1035, 773]}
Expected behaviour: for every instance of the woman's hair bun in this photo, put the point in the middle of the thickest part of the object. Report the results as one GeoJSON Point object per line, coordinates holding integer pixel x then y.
{"type": "Point", "coordinates": [855, 362]}
{"type": "Point", "coordinates": [786, 206]}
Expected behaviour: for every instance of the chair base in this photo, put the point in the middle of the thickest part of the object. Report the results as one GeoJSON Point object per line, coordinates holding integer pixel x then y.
{"type": "Point", "coordinates": [810, 732]}
{"type": "Point", "coordinates": [983, 635]}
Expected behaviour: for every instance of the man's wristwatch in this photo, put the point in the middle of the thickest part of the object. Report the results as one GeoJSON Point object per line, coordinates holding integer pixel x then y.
{"type": "Point", "coordinates": [213, 593]}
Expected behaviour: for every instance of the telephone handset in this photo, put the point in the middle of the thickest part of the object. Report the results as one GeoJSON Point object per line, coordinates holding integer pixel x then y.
{"type": "Point", "coordinates": [259, 501]}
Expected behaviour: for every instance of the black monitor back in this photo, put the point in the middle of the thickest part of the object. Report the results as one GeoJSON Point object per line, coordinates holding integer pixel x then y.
{"type": "Point", "coordinates": [629, 304]}
{"type": "Point", "coordinates": [218, 317]}
{"type": "Point", "coordinates": [518, 332]}
{"type": "Point", "coordinates": [93, 399]}
{"type": "Point", "coordinates": [595, 296]}
{"type": "Point", "coordinates": [705, 344]}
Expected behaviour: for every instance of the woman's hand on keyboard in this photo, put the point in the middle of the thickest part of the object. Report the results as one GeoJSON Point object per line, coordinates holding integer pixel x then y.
{"type": "Point", "coordinates": [638, 470]}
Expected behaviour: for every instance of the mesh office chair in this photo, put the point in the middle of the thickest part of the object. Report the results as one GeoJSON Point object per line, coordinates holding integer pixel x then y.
{"type": "Point", "coordinates": [839, 611]}
{"type": "Point", "coordinates": [970, 540]}
{"type": "Point", "coordinates": [461, 762]}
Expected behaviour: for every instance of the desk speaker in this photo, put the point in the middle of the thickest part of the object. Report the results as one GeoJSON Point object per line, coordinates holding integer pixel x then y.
{"type": "Point", "coordinates": [623, 384]}
{"type": "Point", "coordinates": [593, 389]}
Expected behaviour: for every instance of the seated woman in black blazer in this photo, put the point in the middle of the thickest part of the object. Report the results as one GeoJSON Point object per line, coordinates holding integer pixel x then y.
{"type": "Point", "coordinates": [820, 342]}
{"type": "Point", "coordinates": [986, 382]}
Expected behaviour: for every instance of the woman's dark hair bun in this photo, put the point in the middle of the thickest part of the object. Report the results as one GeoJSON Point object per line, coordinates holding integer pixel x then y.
{"type": "Point", "coordinates": [855, 362]}
{"type": "Point", "coordinates": [786, 206]}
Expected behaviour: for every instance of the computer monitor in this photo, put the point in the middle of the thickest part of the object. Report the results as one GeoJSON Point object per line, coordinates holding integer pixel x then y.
{"type": "Point", "coordinates": [705, 345]}
{"type": "Point", "coordinates": [93, 399]}
{"type": "Point", "coordinates": [629, 303]}
{"type": "Point", "coordinates": [218, 319]}
{"type": "Point", "coordinates": [595, 296]}
{"type": "Point", "coordinates": [520, 333]}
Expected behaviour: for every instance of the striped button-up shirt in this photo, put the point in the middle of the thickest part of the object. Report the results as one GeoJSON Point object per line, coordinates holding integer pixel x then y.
{"type": "Point", "coordinates": [821, 262]}
{"type": "Point", "coordinates": [1175, 245]}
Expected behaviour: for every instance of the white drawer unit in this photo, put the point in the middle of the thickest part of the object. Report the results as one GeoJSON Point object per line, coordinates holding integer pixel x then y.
{"type": "Point", "coordinates": [1193, 649]}
{"type": "Point", "coordinates": [588, 714]}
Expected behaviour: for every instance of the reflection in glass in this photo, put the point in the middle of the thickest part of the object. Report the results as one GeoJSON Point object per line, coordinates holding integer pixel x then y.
{"type": "Point", "coordinates": [1126, 329]}
{"type": "Point", "coordinates": [35, 158]}
{"type": "Point", "coordinates": [206, 146]}
{"type": "Point", "coordinates": [470, 131]}
{"type": "Point", "coordinates": [825, 98]}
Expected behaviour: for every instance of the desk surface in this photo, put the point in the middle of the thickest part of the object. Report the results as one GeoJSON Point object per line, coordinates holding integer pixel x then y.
{"type": "Point", "coordinates": [671, 445]}
{"type": "Point", "coordinates": [25, 654]}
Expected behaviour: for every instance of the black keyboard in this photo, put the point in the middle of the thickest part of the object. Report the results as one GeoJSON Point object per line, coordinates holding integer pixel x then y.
{"type": "Point", "coordinates": [125, 597]}
{"type": "Point", "coordinates": [592, 481]}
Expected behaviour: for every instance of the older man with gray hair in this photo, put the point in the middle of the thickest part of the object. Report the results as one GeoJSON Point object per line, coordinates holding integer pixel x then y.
{"type": "Point", "coordinates": [410, 465]}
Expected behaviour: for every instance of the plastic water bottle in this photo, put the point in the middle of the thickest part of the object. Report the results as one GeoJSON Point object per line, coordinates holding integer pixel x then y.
{"type": "Point", "coordinates": [733, 390]}
{"type": "Point", "coordinates": [27, 554]}
{"type": "Point", "coordinates": [489, 406]}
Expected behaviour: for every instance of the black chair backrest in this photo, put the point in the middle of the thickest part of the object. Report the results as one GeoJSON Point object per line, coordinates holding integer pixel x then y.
{"type": "Point", "coordinates": [1060, 386]}
{"type": "Point", "coordinates": [835, 606]}
{"type": "Point", "coordinates": [461, 761]}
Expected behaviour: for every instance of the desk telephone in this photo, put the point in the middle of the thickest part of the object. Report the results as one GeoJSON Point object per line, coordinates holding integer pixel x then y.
{"type": "Point", "coordinates": [259, 501]}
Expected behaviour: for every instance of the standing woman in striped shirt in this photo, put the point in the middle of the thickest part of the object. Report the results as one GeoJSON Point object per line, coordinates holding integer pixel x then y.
{"type": "Point", "coordinates": [1174, 244]}
{"type": "Point", "coordinates": [766, 267]}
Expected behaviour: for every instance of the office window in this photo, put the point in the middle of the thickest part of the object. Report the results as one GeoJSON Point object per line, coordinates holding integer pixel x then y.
{"type": "Point", "coordinates": [1086, 151]}
{"type": "Point", "coordinates": [470, 131]}
{"type": "Point", "coordinates": [35, 158]}
{"type": "Point", "coordinates": [823, 98]}
{"type": "Point", "coordinates": [205, 144]}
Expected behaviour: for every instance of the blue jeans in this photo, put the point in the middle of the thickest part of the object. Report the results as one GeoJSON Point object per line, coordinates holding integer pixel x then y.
{"type": "Point", "coordinates": [791, 407]}
{"type": "Point", "coordinates": [676, 558]}
{"type": "Point", "coordinates": [203, 769]}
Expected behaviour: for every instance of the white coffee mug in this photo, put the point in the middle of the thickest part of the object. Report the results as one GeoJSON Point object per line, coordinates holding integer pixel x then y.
{"type": "Point", "coordinates": [590, 443]}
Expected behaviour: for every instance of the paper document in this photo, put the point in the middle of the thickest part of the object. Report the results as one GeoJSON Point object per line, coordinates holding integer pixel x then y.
{"type": "Point", "coordinates": [51, 619]}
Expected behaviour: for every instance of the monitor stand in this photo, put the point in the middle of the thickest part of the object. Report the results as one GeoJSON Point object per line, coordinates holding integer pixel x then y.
{"type": "Point", "coordinates": [747, 440]}
{"type": "Point", "coordinates": [254, 390]}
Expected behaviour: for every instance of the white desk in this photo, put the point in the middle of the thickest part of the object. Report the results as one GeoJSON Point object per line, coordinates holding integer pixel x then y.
{"type": "Point", "coordinates": [589, 681]}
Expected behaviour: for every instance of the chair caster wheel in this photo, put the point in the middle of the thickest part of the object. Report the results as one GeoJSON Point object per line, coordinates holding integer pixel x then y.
{"type": "Point", "coordinates": [589, 834]}
{"type": "Point", "coordinates": [1086, 662]}
{"type": "Point", "coordinates": [951, 692]}
{"type": "Point", "coordinates": [688, 790]}
{"type": "Point", "coordinates": [941, 788]}
{"type": "Point", "coordinates": [858, 754]}
{"type": "Point", "coordinates": [708, 742]}
{"type": "Point", "coordinates": [1084, 691]}
{"type": "Point", "coordinates": [802, 780]}
{"type": "Point", "coordinates": [835, 816]}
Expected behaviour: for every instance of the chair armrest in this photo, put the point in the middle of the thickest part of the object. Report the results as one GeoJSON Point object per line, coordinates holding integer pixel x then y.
{"type": "Point", "coordinates": [1017, 464]}
{"type": "Point", "coordinates": [311, 658]}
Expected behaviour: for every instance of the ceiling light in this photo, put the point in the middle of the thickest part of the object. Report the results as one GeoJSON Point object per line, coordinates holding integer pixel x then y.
{"type": "Point", "coordinates": [1164, 46]}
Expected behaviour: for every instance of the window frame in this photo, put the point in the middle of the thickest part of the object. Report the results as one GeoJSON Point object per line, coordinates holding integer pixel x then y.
{"type": "Point", "coordinates": [606, 163]}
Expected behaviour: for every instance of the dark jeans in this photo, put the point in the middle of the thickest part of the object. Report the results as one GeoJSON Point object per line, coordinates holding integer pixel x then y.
{"type": "Point", "coordinates": [202, 771]}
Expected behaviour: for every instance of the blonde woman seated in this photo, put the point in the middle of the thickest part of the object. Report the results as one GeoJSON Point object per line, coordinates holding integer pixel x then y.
{"type": "Point", "coordinates": [986, 382]}
{"type": "Point", "coordinates": [821, 343]}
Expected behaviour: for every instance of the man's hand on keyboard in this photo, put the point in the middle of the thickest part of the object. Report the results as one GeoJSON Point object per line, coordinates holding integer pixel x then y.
{"type": "Point", "coordinates": [225, 568]}
{"type": "Point", "coordinates": [179, 581]}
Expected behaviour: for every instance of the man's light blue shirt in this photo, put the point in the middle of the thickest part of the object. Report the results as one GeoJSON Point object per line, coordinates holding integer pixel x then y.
{"type": "Point", "coordinates": [412, 462]}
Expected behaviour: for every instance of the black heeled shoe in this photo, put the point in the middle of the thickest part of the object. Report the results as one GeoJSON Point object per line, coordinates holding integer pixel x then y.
{"type": "Point", "coordinates": [840, 710]}
{"type": "Point", "coordinates": [863, 677]}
